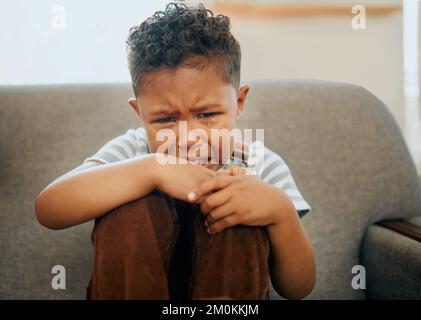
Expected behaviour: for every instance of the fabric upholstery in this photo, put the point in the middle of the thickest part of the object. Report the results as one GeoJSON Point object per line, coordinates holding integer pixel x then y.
{"type": "Point", "coordinates": [393, 264]}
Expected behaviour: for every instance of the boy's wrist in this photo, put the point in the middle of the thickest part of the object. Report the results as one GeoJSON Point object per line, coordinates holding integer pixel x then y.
{"type": "Point", "coordinates": [285, 209]}
{"type": "Point", "coordinates": [149, 166]}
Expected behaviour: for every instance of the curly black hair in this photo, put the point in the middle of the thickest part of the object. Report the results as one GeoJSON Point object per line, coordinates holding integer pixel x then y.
{"type": "Point", "coordinates": [169, 38]}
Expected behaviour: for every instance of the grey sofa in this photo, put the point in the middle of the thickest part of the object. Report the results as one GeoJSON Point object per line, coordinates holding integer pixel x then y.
{"type": "Point", "coordinates": [342, 145]}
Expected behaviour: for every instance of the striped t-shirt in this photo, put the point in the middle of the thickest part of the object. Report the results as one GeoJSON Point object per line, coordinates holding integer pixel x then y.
{"type": "Point", "coordinates": [260, 160]}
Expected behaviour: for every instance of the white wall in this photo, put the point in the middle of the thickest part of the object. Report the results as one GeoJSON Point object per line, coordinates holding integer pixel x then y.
{"type": "Point", "coordinates": [327, 47]}
{"type": "Point", "coordinates": [90, 47]}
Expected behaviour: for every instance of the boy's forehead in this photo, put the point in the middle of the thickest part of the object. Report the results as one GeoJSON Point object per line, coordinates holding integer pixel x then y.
{"type": "Point", "coordinates": [184, 86]}
{"type": "Point", "coordinates": [180, 78]}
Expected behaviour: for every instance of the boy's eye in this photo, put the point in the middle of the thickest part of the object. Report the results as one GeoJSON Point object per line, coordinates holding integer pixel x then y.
{"type": "Point", "coordinates": [165, 120]}
{"type": "Point", "coordinates": [207, 115]}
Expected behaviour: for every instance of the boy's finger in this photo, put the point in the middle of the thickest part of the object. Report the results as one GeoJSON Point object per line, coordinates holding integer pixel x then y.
{"type": "Point", "coordinates": [219, 213]}
{"type": "Point", "coordinates": [215, 200]}
{"type": "Point", "coordinates": [228, 171]}
{"type": "Point", "coordinates": [233, 170]}
{"type": "Point", "coordinates": [208, 186]}
{"type": "Point", "coordinates": [222, 224]}
{"type": "Point", "coordinates": [241, 171]}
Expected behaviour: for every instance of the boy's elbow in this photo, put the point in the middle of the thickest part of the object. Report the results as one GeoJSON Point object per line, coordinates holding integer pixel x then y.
{"type": "Point", "coordinates": [41, 212]}
{"type": "Point", "coordinates": [299, 291]}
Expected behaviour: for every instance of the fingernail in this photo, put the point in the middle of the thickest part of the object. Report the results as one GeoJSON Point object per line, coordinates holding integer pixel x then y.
{"type": "Point", "coordinates": [206, 223]}
{"type": "Point", "coordinates": [208, 230]}
{"type": "Point", "coordinates": [191, 195]}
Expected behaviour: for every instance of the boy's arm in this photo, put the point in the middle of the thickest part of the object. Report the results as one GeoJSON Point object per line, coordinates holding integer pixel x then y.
{"type": "Point", "coordinates": [86, 193]}
{"type": "Point", "coordinates": [292, 264]}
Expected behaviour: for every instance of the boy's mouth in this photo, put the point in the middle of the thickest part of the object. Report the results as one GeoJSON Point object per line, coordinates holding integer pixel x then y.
{"type": "Point", "coordinates": [202, 161]}
{"type": "Point", "coordinates": [206, 162]}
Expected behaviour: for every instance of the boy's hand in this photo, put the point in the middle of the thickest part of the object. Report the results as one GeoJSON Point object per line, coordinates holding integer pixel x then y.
{"type": "Point", "coordinates": [233, 170]}
{"type": "Point", "coordinates": [232, 200]}
{"type": "Point", "coordinates": [178, 179]}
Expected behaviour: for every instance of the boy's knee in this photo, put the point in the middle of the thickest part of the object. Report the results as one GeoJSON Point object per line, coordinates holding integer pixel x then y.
{"type": "Point", "coordinates": [131, 249]}
{"type": "Point", "coordinates": [143, 215]}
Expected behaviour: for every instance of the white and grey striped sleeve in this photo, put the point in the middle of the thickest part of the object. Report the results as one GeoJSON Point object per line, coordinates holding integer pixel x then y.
{"type": "Point", "coordinates": [271, 168]}
{"type": "Point", "coordinates": [129, 145]}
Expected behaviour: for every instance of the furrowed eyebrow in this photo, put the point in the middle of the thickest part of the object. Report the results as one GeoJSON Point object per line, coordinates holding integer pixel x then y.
{"type": "Point", "coordinates": [169, 112]}
{"type": "Point", "coordinates": [164, 112]}
{"type": "Point", "coordinates": [204, 107]}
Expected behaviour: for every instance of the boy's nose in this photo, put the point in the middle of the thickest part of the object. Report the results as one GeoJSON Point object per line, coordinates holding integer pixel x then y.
{"type": "Point", "coordinates": [196, 148]}
{"type": "Point", "coordinates": [191, 139]}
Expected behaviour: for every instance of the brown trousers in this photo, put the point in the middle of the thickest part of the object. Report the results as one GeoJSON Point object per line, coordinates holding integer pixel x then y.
{"type": "Point", "coordinates": [157, 247]}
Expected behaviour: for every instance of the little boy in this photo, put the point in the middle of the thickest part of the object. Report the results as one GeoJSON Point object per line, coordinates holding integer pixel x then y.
{"type": "Point", "coordinates": [188, 227]}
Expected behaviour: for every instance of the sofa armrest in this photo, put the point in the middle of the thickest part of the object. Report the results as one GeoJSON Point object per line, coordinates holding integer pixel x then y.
{"type": "Point", "coordinates": [391, 255]}
{"type": "Point", "coordinates": [403, 227]}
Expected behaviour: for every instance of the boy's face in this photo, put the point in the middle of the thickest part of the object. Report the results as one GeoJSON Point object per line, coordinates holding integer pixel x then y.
{"type": "Point", "coordinates": [192, 99]}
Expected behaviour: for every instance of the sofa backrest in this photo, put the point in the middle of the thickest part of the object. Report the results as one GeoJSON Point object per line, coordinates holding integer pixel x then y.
{"type": "Point", "coordinates": [343, 147]}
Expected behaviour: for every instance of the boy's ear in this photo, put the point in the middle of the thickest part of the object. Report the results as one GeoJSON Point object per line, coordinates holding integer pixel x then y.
{"type": "Point", "coordinates": [241, 99]}
{"type": "Point", "coordinates": [133, 103]}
